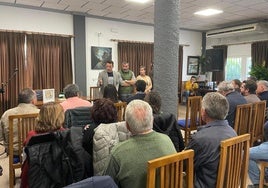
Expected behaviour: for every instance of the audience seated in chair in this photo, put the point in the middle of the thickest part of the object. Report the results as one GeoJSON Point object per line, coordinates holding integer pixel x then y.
{"type": "Point", "coordinates": [50, 119]}
{"type": "Point", "coordinates": [190, 87]}
{"type": "Point", "coordinates": [105, 138]}
{"type": "Point", "coordinates": [248, 90]}
{"type": "Point", "coordinates": [262, 90]}
{"type": "Point", "coordinates": [103, 111]}
{"type": "Point", "coordinates": [236, 84]}
{"type": "Point", "coordinates": [233, 97]}
{"type": "Point", "coordinates": [164, 122]}
{"type": "Point", "coordinates": [206, 141]}
{"type": "Point", "coordinates": [77, 117]}
{"type": "Point", "coordinates": [49, 143]}
{"type": "Point", "coordinates": [71, 92]}
{"type": "Point", "coordinates": [26, 100]}
{"type": "Point", "coordinates": [257, 153]}
{"type": "Point", "coordinates": [128, 161]}
{"type": "Point", "coordinates": [140, 86]}
{"type": "Point", "coordinates": [111, 93]}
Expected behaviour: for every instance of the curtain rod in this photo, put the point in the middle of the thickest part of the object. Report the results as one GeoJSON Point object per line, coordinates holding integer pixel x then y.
{"type": "Point", "coordinates": [142, 42]}
{"type": "Point", "coordinates": [31, 32]}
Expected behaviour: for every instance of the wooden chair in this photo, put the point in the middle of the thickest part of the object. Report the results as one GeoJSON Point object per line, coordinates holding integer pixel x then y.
{"type": "Point", "coordinates": [233, 164]}
{"type": "Point", "coordinates": [258, 117]}
{"type": "Point", "coordinates": [94, 93]}
{"type": "Point", "coordinates": [193, 117]}
{"type": "Point", "coordinates": [121, 109]}
{"type": "Point", "coordinates": [243, 122]}
{"type": "Point", "coordinates": [170, 172]}
{"type": "Point", "coordinates": [19, 126]}
{"type": "Point", "coordinates": [263, 165]}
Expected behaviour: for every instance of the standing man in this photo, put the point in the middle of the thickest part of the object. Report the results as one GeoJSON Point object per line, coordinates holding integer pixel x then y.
{"type": "Point", "coordinates": [128, 161]}
{"type": "Point", "coordinates": [108, 76]}
{"type": "Point", "coordinates": [126, 88]}
{"type": "Point", "coordinates": [26, 100]}
{"type": "Point", "coordinates": [206, 141]}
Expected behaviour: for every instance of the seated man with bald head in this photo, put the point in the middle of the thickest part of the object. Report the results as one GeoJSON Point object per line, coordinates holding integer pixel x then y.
{"type": "Point", "coordinates": [128, 161]}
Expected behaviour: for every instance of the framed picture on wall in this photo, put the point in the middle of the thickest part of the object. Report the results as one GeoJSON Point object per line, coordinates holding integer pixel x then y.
{"type": "Point", "coordinates": [193, 65]}
{"type": "Point", "coordinates": [99, 55]}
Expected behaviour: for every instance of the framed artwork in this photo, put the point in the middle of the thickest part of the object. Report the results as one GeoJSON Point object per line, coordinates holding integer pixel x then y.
{"type": "Point", "coordinates": [99, 56]}
{"type": "Point", "coordinates": [193, 65]}
{"type": "Point", "coordinates": [48, 95]}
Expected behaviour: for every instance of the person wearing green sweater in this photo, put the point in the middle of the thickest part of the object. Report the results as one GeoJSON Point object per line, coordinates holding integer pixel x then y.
{"type": "Point", "coordinates": [126, 87]}
{"type": "Point", "coordinates": [128, 161]}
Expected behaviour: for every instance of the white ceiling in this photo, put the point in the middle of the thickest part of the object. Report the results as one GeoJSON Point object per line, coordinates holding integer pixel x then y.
{"type": "Point", "coordinates": [236, 12]}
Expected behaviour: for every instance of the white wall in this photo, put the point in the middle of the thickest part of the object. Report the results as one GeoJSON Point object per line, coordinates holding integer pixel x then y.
{"type": "Point", "coordinates": [100, 32]}
{"type": "Point", "coordinates": [22, 19]}
{"type": "Point", "coordinates": [13, 18]}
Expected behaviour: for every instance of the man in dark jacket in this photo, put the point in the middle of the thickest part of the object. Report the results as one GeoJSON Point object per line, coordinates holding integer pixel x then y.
{"type": "Point", "coordinates": [164, 122]}
{"type": "Point", "coordinates": [140, 88]}
{"type": "Point", "coordinates": [206, 141]}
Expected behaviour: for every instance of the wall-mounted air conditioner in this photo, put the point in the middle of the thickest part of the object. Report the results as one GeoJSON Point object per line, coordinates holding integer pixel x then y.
{"type": "Point", "coordinates": [254, 28]}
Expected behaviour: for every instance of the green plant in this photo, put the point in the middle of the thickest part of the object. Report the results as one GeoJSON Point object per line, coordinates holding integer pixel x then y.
{"type": "Point", "coordinates": [260, 72]}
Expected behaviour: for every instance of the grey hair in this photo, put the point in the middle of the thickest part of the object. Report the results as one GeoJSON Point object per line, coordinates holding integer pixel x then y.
{"type": "Point", "coordinates": [225, 86]}
{"type": "Point", "coordinates": [215, 105]}
{"type": "Point", "coordinates": [139, 116]}
{"type": "Point", "coordinates": [26, 96]}
{"type": "Point", "coordinates": [263, 83]}
{"type": "Point", "coordinates": [71, 90]}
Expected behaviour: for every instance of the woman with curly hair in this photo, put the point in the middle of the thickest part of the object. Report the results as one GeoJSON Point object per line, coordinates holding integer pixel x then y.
{"type": "Point", "coordinates": [103, 111]}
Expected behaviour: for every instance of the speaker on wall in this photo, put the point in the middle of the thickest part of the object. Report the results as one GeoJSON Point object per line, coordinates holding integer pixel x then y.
{"type": "Point", "coordinates": [214, 60]}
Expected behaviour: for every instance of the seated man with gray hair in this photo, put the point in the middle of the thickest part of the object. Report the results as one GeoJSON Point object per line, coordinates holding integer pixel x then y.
{"type": "Point", "coordinates": [128, 161]}
{"type": "Point", "coordinates": [72, 99]}
{"type": "Point", "coordinates": [233, 97]}
{"type": "Point", "coordinates": [206, 141]}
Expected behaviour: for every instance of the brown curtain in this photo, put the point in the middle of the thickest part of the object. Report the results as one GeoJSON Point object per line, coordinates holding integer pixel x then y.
{"type": "Point", "coordinates": [12, 61]}
{"type": "Point", "coordinates": [136, 54]}
{"type": "Point", "coordinates": [220, 75]}
{"type": "Point", "coordinates": [180, 68]}
{"type": "Point", "coordinates": [259, 53]}
{"type": "Point", "coordinates": [49, 58]}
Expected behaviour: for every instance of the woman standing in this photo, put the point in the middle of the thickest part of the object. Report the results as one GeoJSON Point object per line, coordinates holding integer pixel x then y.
{"type": "Point", "coordinates": [146, 78]}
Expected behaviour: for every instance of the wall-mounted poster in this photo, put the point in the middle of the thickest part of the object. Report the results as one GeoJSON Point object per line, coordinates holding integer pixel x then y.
{"type": "Point", "coordinates": [193, 65]}
{"type": "Point", "coordinates": [99, 55]}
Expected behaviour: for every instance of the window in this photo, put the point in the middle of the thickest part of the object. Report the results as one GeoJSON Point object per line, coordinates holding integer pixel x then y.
{"type": "Point", "coordinates": [237, 68]}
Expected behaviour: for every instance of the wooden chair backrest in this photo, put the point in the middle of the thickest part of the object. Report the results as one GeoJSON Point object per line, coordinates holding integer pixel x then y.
{"type": "Point", "coordinates": [121, 109]}
{"type": "Point", "coordinates": [258, 119]}
{"type": "Point", "coordinates": [94, 93]}
{"type": "Point", "coordinates": [263, 166]}
{"type": "Point", "coordinates": [233, 164]}
{"type": "Point", "coordinates": [169, 170]}
{"type": "Point", "coordinates": [193, 112]}
{"type": "Point", "coordinates": [19, 126]}
{"type": "Point", "coordinates": [243, 123]}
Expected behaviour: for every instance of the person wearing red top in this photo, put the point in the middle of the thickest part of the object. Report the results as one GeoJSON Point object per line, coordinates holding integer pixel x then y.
{"type": "Point", "coordinates": [50, 119]}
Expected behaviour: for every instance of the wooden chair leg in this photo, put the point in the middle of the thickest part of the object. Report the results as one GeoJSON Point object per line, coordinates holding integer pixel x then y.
{"type": "Point", "coordinates": [263, 165]}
